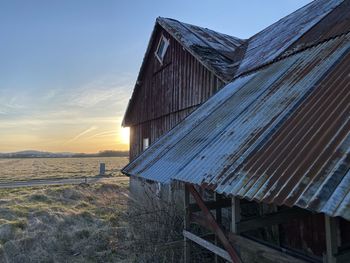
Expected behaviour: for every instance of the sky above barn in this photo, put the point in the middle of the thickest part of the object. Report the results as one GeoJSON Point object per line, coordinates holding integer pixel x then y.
{"type": "Point", "coordinates": [67, 68]}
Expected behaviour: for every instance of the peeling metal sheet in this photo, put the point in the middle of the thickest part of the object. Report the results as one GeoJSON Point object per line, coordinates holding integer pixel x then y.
{"type": "Point", "coordinates": [279, 135]}
{"type": "Point", "coordinates": [268, 44]}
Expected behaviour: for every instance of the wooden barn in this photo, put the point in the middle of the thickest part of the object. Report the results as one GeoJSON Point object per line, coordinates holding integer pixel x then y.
{"type": "Point", "coordinates": [259, 128]}
{"type": "Point", "coordinates": [184, 65]}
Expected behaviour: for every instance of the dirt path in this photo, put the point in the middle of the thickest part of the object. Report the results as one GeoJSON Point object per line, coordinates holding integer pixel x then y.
{"type": "Point", "coordinates": [44, 182]}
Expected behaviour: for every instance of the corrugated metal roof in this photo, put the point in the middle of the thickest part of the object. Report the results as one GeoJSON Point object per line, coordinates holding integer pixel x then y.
{"type": "Point", "coordinates": [279, 135]}
{"type": "Point", "coordinates": [271, 42]}
{"type": "Point", "coordinates": [337, 22]}
{"type": "Point", "coordinates": [227, 56]}
{"type": "Point", "coordinates": [217, 51]}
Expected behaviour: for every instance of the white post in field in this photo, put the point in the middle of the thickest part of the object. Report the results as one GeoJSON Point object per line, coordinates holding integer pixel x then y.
{"type": "Point", "coordinates": [102, 169]}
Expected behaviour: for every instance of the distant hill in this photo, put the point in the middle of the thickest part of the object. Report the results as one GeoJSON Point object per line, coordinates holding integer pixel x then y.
{"type": "Point", "coordinates": [40, 154]}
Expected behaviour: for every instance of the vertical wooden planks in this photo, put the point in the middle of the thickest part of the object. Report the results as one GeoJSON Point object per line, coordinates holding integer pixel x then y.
{"type": "Point", "coordinates": [167, 93]}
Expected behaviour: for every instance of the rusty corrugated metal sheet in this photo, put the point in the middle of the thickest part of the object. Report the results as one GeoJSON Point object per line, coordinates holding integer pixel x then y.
{"type": "Point", "coordinates": [219, 52]}
{"type": "Point", "coordinates": [337, 22]}
{"type": "Point", "coordinates": [279, 135]}
{"type": "Point", "coordinates": [271, 42]}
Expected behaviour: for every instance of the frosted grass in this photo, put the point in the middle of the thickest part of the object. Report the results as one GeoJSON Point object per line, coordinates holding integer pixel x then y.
{"type": "Point", "coordinates": [38, 168]}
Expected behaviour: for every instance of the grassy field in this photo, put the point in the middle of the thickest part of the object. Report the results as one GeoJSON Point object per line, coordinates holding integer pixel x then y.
{"type": "Point", "coordinates": [38, 168]}
{"type": "Point", "coordinates": [81, 223]}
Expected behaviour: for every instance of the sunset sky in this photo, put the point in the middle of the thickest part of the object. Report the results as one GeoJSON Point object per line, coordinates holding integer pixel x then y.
{"type": "Point", "coordinates": [67, 67]}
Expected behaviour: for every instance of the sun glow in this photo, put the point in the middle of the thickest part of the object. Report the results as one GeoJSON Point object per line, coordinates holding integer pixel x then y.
{"type": "Point", "coordinates": [124, 135]}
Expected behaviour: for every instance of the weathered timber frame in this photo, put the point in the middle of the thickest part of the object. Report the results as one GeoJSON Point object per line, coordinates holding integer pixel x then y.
{"type": "Point", "coordinates": [334, 255]}
{"type": "Point", "coordinates": [232, 239]}
{"type": "Point", "coordinates": [213, 225]}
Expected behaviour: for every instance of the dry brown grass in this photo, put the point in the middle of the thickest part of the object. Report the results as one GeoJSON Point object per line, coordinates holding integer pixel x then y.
{"type": "Point", "coordinates": [89, 223]}
{"type": "Point", "coordinates": [65, 224]}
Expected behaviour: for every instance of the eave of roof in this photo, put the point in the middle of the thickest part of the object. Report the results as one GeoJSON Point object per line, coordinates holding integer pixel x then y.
{"type": "Point", "coordinates": [216, 144]}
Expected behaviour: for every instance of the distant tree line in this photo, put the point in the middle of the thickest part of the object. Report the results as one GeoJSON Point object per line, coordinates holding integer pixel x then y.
{"type": "Point", "coordinates": [38, 154]}
{"type": "Point", "coordinates": [107, 153]}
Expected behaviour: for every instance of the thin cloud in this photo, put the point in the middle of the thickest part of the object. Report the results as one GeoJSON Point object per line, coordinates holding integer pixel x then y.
{"type": "Point", "coordinates": [82, 134]}
{"type": "Point", "coordinates": [107, 90]}
{"type": "Point", "coordinates": [104, 134]}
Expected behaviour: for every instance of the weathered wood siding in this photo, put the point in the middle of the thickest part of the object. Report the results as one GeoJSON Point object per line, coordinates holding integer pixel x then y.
{"type": "Point", "coordinates": [167, 93]}
{"type": "Point", "coordinates": [153, 129]}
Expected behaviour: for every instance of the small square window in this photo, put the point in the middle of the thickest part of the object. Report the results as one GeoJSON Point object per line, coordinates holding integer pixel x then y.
{"type": "Point", "coordinates": [161, 49]}
{"type": "Point", "coordinates": [145, 143]}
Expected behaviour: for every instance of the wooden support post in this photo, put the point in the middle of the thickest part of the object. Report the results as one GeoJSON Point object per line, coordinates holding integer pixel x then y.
{"type": "Point", "coordinates": [331, 238]}
{"type": "Point", "coordinates": [214, 225]}
{"type": "Point", "coordinates": [218, 211]}
{"type": "Point", "coordinates": [218, 215]}
{"type": "Point", "coordinates": [236, 215]}
{"type": "Point", "coordinates": [187, 248]}
{"type": "Point", "coordinates": [276, 228]}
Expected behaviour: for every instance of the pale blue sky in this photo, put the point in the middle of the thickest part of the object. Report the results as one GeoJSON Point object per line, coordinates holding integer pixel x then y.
{"type": "Point", "coordinates": [67, 68]}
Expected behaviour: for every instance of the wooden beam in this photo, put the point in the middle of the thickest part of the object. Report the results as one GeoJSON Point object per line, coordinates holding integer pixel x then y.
{"type": "Point", "coordinates": [331, 225]}
{"type": "Point", "coordinates": [251, 246]}
{"type": "Point", "coordinates": [218, 216]}
{"type": "Point", "coordinates": [236, 214]}
{"type": "Point", "coordinates": [214, 226]}
{"type": "Point", "coordinates": [187, 214]}
{"type": "Point", "coordinates": [218, 212]}
{"type": "Point", "coordinates": [211, 205]}
{"type": "Point", "coordinates": [279, 217]}
{"type": "Point", "coordinates": [266, 253]}
{"type": "Point", "coordinates": [206, 244]}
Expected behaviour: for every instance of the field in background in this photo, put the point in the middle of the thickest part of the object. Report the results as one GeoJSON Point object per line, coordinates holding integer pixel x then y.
{"type": "Point", "coordinates": [86, 223]}
{"type": "Point", "coordinates": [37, 168]}
{"type": "Point", "coordinates": [96, 222]}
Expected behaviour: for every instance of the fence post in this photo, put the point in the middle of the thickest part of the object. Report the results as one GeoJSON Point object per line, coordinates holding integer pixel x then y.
{"type": "Point", "coordinates": [102, 169]}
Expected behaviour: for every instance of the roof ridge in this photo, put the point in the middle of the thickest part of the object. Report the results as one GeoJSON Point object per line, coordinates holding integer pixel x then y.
{"type": "Point", "coordinates": [204, 41]}
{"type": "Point", "coordinates": [290, 53]}
{"type": "Point", "coordinates": [189, 24]}
{"type": "Point", "coordinates": [291, 14]}
{"type": "Point", "coordinates": [172, 27]}
{"type": "Point", "coordinates": [274, 40]}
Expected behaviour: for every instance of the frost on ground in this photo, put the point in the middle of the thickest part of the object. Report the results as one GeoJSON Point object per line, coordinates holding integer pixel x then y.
{"type": "Point", "coordinates": [39, 168]}
{"type": "Point", "coordinates": [65, 224]}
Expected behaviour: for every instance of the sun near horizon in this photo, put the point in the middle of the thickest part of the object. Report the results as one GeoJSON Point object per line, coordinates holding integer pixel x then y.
{"type": "Point", "coordinates": [87, 141]}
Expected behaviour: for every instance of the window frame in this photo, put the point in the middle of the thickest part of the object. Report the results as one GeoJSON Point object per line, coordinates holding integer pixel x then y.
{"type": "Point", "coordinates": [166, 42]}
{"type": "Point", "coordinates": [145, 143]}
